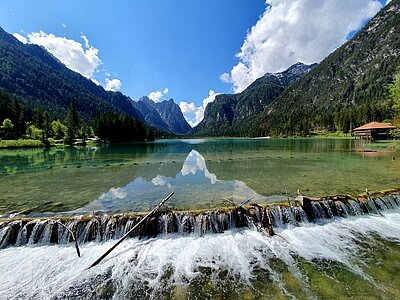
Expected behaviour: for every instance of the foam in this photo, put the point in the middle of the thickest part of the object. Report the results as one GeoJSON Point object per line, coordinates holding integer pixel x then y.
{"type": "Point", "coordinates": [43, 272]}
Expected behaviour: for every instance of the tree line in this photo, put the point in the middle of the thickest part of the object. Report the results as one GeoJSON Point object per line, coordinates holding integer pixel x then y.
{"type": "Point", "coordinates": [17, 121]}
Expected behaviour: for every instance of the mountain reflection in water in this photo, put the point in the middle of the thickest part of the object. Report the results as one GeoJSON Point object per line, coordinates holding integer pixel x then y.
{"type": "Point", "coordinates": [194, 185]}
{"type": "Point", "coordinates": [203, 172]}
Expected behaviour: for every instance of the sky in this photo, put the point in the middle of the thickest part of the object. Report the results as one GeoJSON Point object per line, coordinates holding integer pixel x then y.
{"type": "Point", "coordinates": [188, 50]}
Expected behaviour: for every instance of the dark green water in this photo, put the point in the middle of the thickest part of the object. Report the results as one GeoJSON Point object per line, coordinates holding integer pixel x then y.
{"type": "Point", "coordinates": [203, 173]}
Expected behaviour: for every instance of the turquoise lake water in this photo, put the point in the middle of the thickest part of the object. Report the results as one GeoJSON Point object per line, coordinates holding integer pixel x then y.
{"type": "Point", "coordinates": [204, 173]}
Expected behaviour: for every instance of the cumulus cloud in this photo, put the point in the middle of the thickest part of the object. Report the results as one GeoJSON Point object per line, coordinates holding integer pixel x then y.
{"type": "Point", "coordinates": [113, 84]}
{"type": "Point", "coordinates": [194, 115]}
{"type": "Point", "coordinates": [187, 108]}
{"type": "Point", "coordinates": [292, 31]}
{"type": "Point", "coordinates": [20, 38]}
{"type": "Point", "coordinates": [82, 59]}
{"type": "Point", "coordinates": [225, 77]}
{"type": "Point", "coordinates": [156, 96]}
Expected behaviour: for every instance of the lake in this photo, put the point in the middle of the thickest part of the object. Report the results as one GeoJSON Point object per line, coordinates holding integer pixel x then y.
{"type": "Point", "coordinates": [355, 256]}
{"type": "Point", "coordinates": [204, 173]}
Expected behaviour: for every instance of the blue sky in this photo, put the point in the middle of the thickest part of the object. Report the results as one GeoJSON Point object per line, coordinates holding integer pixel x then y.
{"type": "Point", "coordinates": [185, 49]}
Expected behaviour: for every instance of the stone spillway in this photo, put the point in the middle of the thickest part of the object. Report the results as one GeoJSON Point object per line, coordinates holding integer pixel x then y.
{"type": "Point", "coordinates": [99, 228]}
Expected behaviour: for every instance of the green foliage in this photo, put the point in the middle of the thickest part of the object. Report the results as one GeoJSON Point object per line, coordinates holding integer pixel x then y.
{"type": "Point", "coordinates": [231, 115]}
{"type": "Point", "coordinates": [59, 129]}
{"type": "Point", "coordinates": [395, 133]}
{"type": "Point", "coordinates": [384, 145]}
{"type": "Point", "coordinates": [34, 133]}
{"type": "Point", "coordinates": [346, 90]}
{"type": "Point", "coordinates": [72, 122]}
{"type": "Point", "coordinates": [394, 93]}
{"type": "Point", "coordinates": [40, 81]}
{"type": "Point", "coordinates": [47, 131]}
{"type": "Point", "coordinates": [20, 143]}
{"type": "Point", "coordinates": [7, 124]}
{"type": "Point", "coordinates": [121, 127]}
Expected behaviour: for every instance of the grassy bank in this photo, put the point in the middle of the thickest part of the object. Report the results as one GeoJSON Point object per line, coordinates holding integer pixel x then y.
{"type": "Point", "coordinates": [20, 143]}
{"type": "Point", "coordinates": [384, 145]}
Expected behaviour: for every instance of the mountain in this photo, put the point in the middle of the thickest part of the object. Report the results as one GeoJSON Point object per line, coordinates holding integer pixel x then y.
{"type": "Point", "coordinates": [232, 114]}
{"type": "Point", "coordinates": [346, 89]}
{"type": "Point", "coordinates": [173, 117]}
{"type": "Point", "coordinates": [149, 114]}
{"type": "Point", "coordinates": [40, 80]}
{"type": "Point", "coordinates": [165, 115]}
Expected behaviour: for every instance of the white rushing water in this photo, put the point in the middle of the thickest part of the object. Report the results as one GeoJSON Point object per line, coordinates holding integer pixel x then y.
{"type": "Point", "coordinates": [45, 272]}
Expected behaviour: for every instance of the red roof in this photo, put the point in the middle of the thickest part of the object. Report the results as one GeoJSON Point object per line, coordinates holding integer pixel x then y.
{"type": "Point", "coordinates": [375, 125]}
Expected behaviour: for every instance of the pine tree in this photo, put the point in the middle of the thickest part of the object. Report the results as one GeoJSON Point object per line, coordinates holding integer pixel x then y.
{"type": "Point", "coordinates": [72, 122]}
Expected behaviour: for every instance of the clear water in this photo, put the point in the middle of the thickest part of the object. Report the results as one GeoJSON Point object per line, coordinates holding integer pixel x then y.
{"type": "Point", "coordinates": [203, 173]}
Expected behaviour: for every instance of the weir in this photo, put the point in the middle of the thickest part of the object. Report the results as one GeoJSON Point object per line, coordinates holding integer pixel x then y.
{"type": "Point", "coordinates": [99, 228]}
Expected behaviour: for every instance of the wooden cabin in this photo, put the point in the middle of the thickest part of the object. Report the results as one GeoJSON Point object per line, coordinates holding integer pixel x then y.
{"type": "Point", "coordinates": [373, 130]}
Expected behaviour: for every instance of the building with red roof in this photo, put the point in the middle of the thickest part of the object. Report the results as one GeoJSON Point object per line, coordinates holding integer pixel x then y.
{"type": "Point", "coordinates": [373, 130]}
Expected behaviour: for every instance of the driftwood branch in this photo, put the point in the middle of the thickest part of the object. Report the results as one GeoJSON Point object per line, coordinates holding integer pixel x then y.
{"type": "Point", "coordinates": [244, 202]}
{"type": "Point", "coordinates": [73, 238]}
{"type": "Point", "coordinates": [130, 231]}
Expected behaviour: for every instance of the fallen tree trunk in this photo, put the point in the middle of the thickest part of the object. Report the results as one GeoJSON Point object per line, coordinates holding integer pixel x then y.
{"type": "Point", "coordinates": [129, 232]}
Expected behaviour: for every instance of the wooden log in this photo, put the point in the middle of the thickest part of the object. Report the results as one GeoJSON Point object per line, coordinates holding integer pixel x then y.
{"type": "Point", "coordinates": [156, 208]}
{"type": "Point", "coordinates": [73, 237]}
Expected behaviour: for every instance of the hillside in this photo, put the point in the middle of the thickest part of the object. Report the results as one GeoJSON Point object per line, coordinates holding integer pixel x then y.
{"type": "Point", "coordinates": [347, 88]}
{"type": "Point", "coordinates": [164, 115]}
{"type": "Point", "coordinates": [41, 81]}
{"type": "Point", "coordinates": [232, 114]}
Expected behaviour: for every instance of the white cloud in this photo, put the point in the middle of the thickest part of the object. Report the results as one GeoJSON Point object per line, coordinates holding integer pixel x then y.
{"type": "Point", "coordinates": [87, 46]}
{"type": "Point", "coordinates": [225, 77]}
{"type": "Point", "coordinates": [20, 38]}
{"type": "Point", "coordinates": [114, 193]}
{"type": "Point", "coordinates": [159, 180]}
{"type": "Point", "coordinates": [113, 84]}
{"type": "Point", "coordinates": [210, 98]}
{"type": "Point", "coordinates": [388, 1]}
{"type": "Point", "coordinates": [69, 52]}
{"type": "Point", "coordinates": [95, 81]}
{"type": "Point", "coordinates": [292, 31]}
{"type": "Point", "coordinates": [187, 108]}
{"type": "Point", "coordinates": [194, 115]}
{"type": "Point", "coordinates": [156, 96]}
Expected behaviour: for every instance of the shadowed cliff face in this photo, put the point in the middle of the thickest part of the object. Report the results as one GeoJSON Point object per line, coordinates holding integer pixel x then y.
{"type": "Point", "coordinates": [165, 115]}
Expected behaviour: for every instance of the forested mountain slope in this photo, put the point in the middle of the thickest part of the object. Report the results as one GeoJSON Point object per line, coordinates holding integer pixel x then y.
{"type": "Point", "coordinates": [232, 114]}
{"type": "Point", "coordinates": [346, 89]}
{"type": "Point", "coordinates": [39, 80]}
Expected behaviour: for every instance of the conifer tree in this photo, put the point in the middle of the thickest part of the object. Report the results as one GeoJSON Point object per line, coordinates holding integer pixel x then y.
{"type": "Point", "coordinates": [72, 122]}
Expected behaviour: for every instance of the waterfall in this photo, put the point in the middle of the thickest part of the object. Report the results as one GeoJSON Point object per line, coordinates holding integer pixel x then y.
{"type": "Point", "coordinates": [106, 227]}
